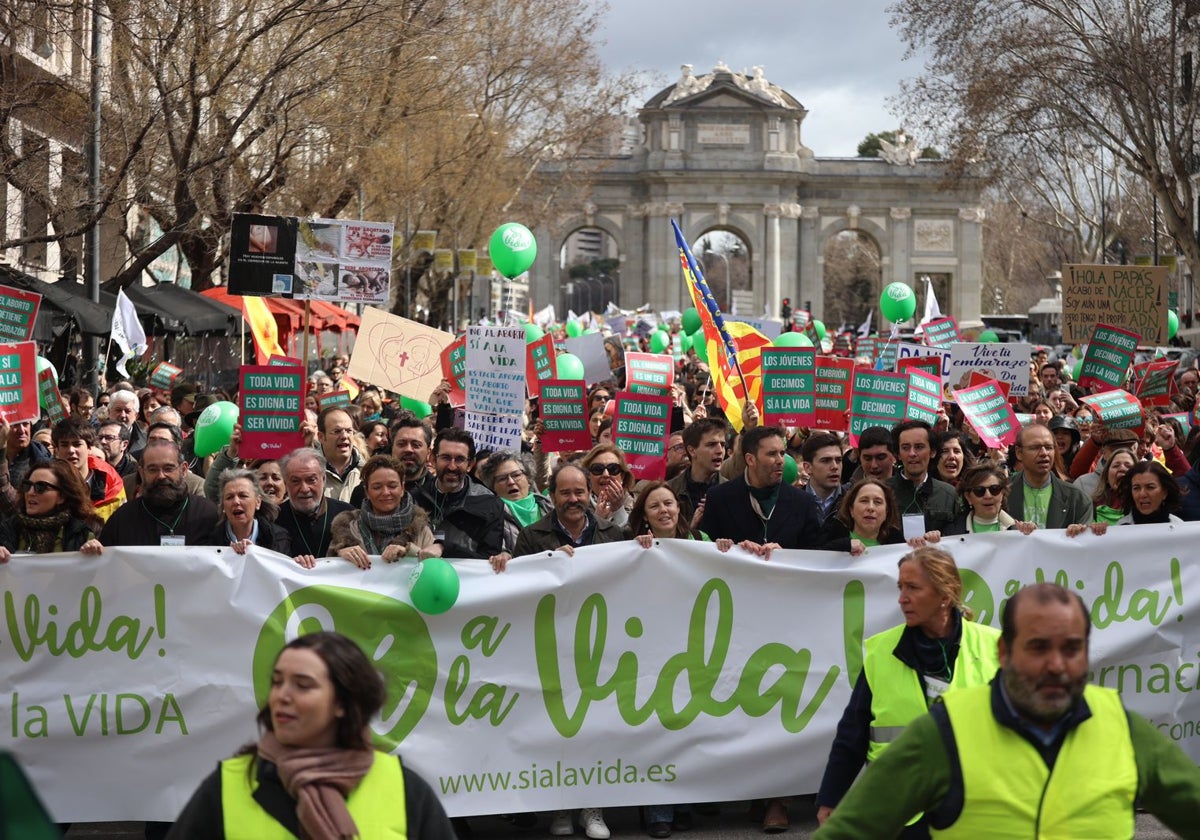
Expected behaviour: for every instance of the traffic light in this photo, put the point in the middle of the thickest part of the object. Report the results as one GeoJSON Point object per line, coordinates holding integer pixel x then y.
{"type": "Point", "coordinates": [785, 310]}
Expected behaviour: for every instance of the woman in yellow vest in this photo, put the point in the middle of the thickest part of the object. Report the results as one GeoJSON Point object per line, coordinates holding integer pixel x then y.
{"type": "Point", "coordinates": [937, 649]}
{"type": "Point", "coordinates": [314, 773]}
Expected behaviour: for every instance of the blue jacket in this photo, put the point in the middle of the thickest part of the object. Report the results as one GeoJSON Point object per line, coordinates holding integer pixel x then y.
{"type": "Point", "coordinates": [1189, 483]}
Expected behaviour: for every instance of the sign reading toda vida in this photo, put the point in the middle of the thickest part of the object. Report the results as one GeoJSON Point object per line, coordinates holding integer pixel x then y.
{"type": "Point", "coordinates": [18, 382]}
{"type": "Point", "coordinates": [788, 384]}
{"type": "Point", "coordinates": [18, 312]}
{"type": "Point", "coordinates": [1130, 297]}
{"type": "Point", "coordinates": [732, 688]}
{"type": "Point", "coordinates": [641, 427]}
{"type": "Point", "coordinates": [564, 414]}
{"type": "Point", "coordinates": [270, 410]}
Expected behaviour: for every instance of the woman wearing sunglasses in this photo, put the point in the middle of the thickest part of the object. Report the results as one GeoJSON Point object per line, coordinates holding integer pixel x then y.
{"type": "Point", "coordinates": [56, 514]}
{"type": "Point", "coordinates": [984, 490]}
{"type": "Point", "coordinates": [611, 483]}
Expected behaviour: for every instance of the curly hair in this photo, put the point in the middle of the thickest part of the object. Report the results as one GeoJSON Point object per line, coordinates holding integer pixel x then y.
{"type": "Point", "coordinates": [76, 497]}
{"type": "Point", "coordinates": [1174, 493]}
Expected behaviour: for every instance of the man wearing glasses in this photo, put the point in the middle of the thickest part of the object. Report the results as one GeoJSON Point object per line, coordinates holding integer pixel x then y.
{"type": "Point", "coordinates": [1037, 495]}
{"type": "Point", "coordinates": [467, 518]}
{"type": "Point", "coordinates": [165, 513]}
{"type": "Point", "coordinates": [335, 434]}
{"type": "Point", "coordinates": [113, 440]}
{"type": "Point", "coordinates": [18, 452]}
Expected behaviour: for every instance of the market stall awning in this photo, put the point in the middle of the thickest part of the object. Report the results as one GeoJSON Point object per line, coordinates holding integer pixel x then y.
{"type": "Point", "coordinates": [185, 311]}
{"type": "Point", "coordinates": [61, 298]}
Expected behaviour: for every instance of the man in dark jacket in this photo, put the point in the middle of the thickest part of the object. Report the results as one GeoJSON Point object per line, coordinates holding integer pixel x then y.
{"type": "Point", "coordinates": [569, 526]}
{"type": "Point", "coordinates": [1189, 483]}
{"type": "Point", "coordinates": [308, 513]}
{"type": "Point", "coordinates": [706, 450]}
{"type": "Point", "coordinates": [166, 513]}
{"type": "Point", "coordinates": [18, 453]}
{"type": "Point", "coordinates": [467, 518]}
{"type": "Point", "coordinates": [757, 510]}
{"type": "Point", "coordinates": [917, 492]}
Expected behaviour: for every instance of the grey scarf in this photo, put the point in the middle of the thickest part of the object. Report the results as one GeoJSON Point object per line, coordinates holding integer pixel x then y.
{"type": "Point", "coordinates": [384, 526]}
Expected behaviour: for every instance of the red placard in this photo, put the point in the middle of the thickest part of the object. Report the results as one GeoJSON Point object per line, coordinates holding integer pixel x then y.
{"type": "Point", "coordinates": [18, 312]}
{"type": "Point", "coordinates": [986, 408]}
{"type": "Point", "coordinates": [978, 378]}
{"type": "Point", "coordinates": [540, 363]}
{"type": "Point", "coordinates": [641, 428]}
{"type": "Point", "coordinates": [270, 410]}
{"type": "Point", "coordinates": [284, 361]}
{"type": "Point", "coordinates": [18, 382]}
{"type": "Point", "coordinates": [334, 399]}
{"type": "Point", "coordinates": [1154, 382]}
{"type": "Point", "coordinates": [832, 390]}
{"type": "Point", "coordinates": [649, 373]}
{"type": "Point", "coordinates": [454, 369]}
{"type": "Point", "coordinates": [931, 365]}
{"type": "Point", "coordinates": [564, 414]}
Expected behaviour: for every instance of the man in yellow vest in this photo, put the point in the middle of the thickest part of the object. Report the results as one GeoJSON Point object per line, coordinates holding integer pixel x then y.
{"type": "Point", "coordinates": [1038, 753]}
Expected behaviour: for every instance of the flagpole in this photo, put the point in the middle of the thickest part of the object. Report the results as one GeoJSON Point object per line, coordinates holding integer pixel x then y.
{"type": "Point", "coordinates": [307, 321]}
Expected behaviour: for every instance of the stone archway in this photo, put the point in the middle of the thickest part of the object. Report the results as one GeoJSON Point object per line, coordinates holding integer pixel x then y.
{"type": "Point", "coordinates": [589, 262]}
{"type": "Point", "coordinates": [727, 259]}
{"type": "Point", "coordinates": [852, 266]}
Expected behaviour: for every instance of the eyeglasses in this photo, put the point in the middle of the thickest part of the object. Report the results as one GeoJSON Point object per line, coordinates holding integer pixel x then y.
{"type": "Point", "coordinates": [600, 397]}
{"type": "Point", "coordinates": [601, 469]}
{"type": "Point", "coordinates": [38, 487]}
{"type": "Point", "coordinates": [989, 490]}
{"type": "Point", "coordinates": [108, 438]}
{"type": "Point", "coordinates": [515, 475]}
{"type": "Point", "coordinates": [679, 447]}
{"type": "Point", "coordinates": [156, 470]}
{"type": "Point", "coordinates": [1039, 447]}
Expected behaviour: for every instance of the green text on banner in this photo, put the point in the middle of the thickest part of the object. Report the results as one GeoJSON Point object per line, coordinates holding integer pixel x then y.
{"type": "Point", "coordinates": [563, 409]}
{"type": "Point", "coordinates": [649, 373]}
{"type": "Point", "coordinates": [988, 411]}
{"type": "Point", "coordinates": [1109, 353]}
{"type": "Point", "coordinates": [788, 384]}
{"type": "Point", "coordinates": [641, 426]}
{"type": "Point", "coordinates": [270, 410]}
{"type": "Point", "coordinates": [164, 375]}
{"type": "Point", "coordinates": [18, 312]}
{"type": "Point", "coordinates": [880, 399]}
{"type": "Point", "coordinates": [540, 363]}
{"type": "Point", "coordinates": [1116, 409]}
{"type": "Point", "coordinates": [924, 396]}
{"type": "Point", "coordinates": [941, 332]}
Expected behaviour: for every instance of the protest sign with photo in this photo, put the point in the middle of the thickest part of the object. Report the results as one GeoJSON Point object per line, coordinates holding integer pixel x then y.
{"type": "Point", "coordinates": [788, 386]}
{"type": "Point", "coordinates": [1129, 297]}
{"type": "Point", "coordinates": [397, 354]}
{"type": "Point", "coordinates": [987, 409]}
{"type": "Point", "coordinates": [1155, 381]}
{"type": "Point", "coordinates": [271, 409]}
{"type": "Point", "coordinates": [540, 363]}
{"type": "Point", "coordinates": [941, 332]}
{"type": "Point", "coordinates": [831, 389]}
{"type": "Point", "coordinates": [1007, 363]}
{"type": "Point", "coordinates": [564, 412]}
{"type": "Point", "coordinates": [495, 386]}
{"type": "Point", "coordinates": [1109, 352]}
{"type": "Point", "coordinates": [18, 312]}
{"type": "Point", "coordinates": [49, 396]}
{"type": "Point", "coordinates": [1116, 409]}
{"type": "Point", "coordinates": [164, 375]}
{"type": "Point", "coordinates": [18, 382]}
{"type": "Point", "coordinates": [641, 427]}
{"type": "Point", "coordinates": [262, 254]}
{"type": "Point", "coordinates": [649, 373]}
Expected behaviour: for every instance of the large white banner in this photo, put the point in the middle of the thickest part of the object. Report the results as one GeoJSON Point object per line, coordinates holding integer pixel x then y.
{"type": "Point", "coordinates": [621, 676]}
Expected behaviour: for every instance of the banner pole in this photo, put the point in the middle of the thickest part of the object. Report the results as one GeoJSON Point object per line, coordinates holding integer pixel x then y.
{"type": "Point", "coordinates": [307, 321]}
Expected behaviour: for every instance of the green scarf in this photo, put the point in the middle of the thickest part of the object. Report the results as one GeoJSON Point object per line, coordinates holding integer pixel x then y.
{"type": "Point", "coordinates": [1106, 514]}
{"type": "Point", "coordinates": [526, 510]}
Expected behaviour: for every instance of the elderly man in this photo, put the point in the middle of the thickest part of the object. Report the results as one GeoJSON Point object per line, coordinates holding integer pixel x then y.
{"type": "Point", "coordinates": [1038, 753]}
{"type": "Point", "coordinates": [569, 526]}
{"type": "Point", "coordinates": [18, 453]}
{"type": "Point", "coordinates": [167, 433]}
{"type": "Point", "coordinates": [123, 406]}
{"type": "Point", "coordinates": [165, 513]}
{"type": "Point", "coordinates": [308, 513]}
{"type": "Point", "coordinates": [466, 517]}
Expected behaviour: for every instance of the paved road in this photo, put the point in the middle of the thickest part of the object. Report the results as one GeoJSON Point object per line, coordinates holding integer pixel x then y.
{"type": "Point", "coordinates": [730, 824]}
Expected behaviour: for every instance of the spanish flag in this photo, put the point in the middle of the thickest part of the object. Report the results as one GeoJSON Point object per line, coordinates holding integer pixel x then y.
{"type": "Point", "coordinates": [263, 328]}
{"type": "Point", "coordinates": [733, 349]}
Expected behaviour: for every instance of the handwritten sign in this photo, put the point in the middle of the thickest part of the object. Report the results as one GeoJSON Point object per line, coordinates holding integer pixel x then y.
{"type": "Point", "coordinates": [564, 416]}
{"type": "Point", "coordinates": [495, 386]}
{"type": "Point", "coordinates": [987, 409]}
{"type": "Point", "coordinates": [1128, 297]}
{"type": "Point", "coordinates": [831, 393]}
{"type": "Point", "coordinates": [1116, 409]}
{"type": "Point", "coordinates": [164, 375]}
{"type": "Point", "coordinates": [788, 386]}
{"type": "Point", "coordinates": [1109, 353]}
{"type": "Point", "coordinates": [18, 312]}
{"type": "Point", "coordinates": [641, 426]}
{"type": "Point", "coordinates": [1008, 363]}
{"type": "Point", "coordinates": [397, 354]}
{"type": "Point", "coordinates": [270, 409]}
{"type": "Point", "coordinates": [18, 378]}
{"type": "Point", "coordinates": [540, 363]}
{"type": "Point", "coordinates": [649, 373]}
{"type": "Point", "coordinates": [49, 396]}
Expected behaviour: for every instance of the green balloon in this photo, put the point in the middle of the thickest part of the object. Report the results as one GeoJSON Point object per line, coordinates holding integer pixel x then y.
{"type": "Point", "coordinates": [791, 470]}
{"type": "Point", "coordinates": [792, 339]}
{"type": "Point", "coordinates": [685, 342]}
{"type": "Point", "coordinates": [420, 408]}
{"type": "Point", "coordinates": [691, 320]}
{"type": "Point", "coordinates": [214, 428]}
{"type": "Point", "coordinates": [1077, 370]}
{"type": "Point", "coordinates": [569, 366]}
{"type": "Point", "coordinates": [533, 332]}
{"type": "Point", "coordinates": [659, 341]}
{"type": "Point", "coordinates": [700, 346]}
{"type": "Point", "coordinates": [663, 327]}
{"type": "Point", "coordinates": [819, 326]}
{"type": "Point", "coordinates": [433, 586]}
{"type": "Point", "coordinates": [512, 249]}
{"type": "Point", "coordinates": [1172, 324]}
{"type": "Point", "coordinates": [898, 302]}
{"type": "Point", "coordinates": [574, 329]}
{"type": "Point", "coordinates": [989, 337]}
{"type": "Point", "coordinates": [41, 362]}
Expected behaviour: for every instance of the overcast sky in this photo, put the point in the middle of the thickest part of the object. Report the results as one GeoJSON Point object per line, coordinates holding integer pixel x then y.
{"type": "Point", "coordinates": [839, 58]}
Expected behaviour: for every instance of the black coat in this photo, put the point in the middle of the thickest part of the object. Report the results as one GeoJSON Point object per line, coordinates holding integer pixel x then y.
{"type": "Point", "coordinates": [795, 521]}
{"type": "Point", "coordinates": [311, 535]}
{"type": "Point", "coordinates": [835, 536]}
{"type": "Point", "coordinates": [270, 536]}
{"type": "Point", "coordinates": [75, 532]}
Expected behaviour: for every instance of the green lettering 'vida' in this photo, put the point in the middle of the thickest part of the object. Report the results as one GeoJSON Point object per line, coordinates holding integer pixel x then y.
{"type": "Point", "coordinates": [701, 668]}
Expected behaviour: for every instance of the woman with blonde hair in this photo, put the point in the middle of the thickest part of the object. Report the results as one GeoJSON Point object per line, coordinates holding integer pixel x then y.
{"type": "Point", "coordinates": [611, 483]}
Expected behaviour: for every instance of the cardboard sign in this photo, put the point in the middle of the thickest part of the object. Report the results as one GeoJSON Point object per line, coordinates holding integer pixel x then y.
{"type": "Point", "coordinates": [495, 386]}
{"type": "Point", "coordinates": [334, 399]}
{"type": "Point", "coordinates": [454, 369]}
{"type": "Point", "coordinates": [987, 409]}
{"type": "Point", "coordinates": [1116, 410]}
{"type": "Point", "coordinates": [18, 382]}
{"type": "Point", "coordinates": [770, 327]}
{"type": "Point", "coordinates": [284, 361]}
{"type": "Point", "coordinates": [1155, 382]}
{"type": "Point", "coordinates": [271, 408]}
{"type": "Point", "coordinates": [164, 375]}
{"type": "Point", "coordinates": [941, 332]}
{"type": "Point", "coordinates": [880, 399]}
{"type": "Point", "coordinates": [590, 350]}
{"type": "Point", "coordinates": [397, 354]}
{"type": "Point", "coordinates": [49, 396]}
{"type": "Point", "coordinates": [1008, 363]}
{"type": "Point", "coordinates": [641, 427]}
{"type": "Point", "coordinates": [540, 363]}
{"type": "Point", "coordinates": [831, 393]}
{"type": "Point", "coordinates": [788, 386]}
{"type": "Point", "coordinates": [564, 412]}
{"type": "Point", "coordinates": [18, 312]}
{"type": "Point", "coordinates": [649, 373]}
{"type": "Point", "coordinates": [1128, 297]}
{"type": "Point", "coordinates": [1106, 362]}
{"type": "Point", "coordinates": [924, 396]}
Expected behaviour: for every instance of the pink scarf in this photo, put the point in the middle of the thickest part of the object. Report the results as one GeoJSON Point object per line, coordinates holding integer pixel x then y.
{"type": "Point", "coordinates": [319, 780]}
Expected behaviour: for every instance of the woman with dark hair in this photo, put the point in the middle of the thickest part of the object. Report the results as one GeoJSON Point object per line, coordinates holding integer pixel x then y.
{"type": "Point", "coordinates": [1149, 494]}
{"type": "Point", "coordinates": [56, 514]}
{"type": "Point", "coordinates": [611, 483]}
{"type": "Point", "coordinates": [951, 455]}
{"type": "Point", "coordinates": [866, 517]}
{"type": "Point", "coordinates": [247, 515]}
{"type": "Point", "coordinates": [313, 772]}
{"type": "Point", "coordinates": [984, 491]}
{"type": "Point", "coordinates": [376, 437]}
{"type": "Point", "coordinates": [270, 479]}
{"type": "Point", "coordinates": [388, 525]}
{"type": "Point", "coordinates": [655, 516]}
{"type": "Point", "coordinates": [1107, 497]}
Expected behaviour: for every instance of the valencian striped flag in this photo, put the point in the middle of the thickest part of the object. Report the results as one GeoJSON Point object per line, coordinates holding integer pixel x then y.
{"type": "Point", "coordinates": [733, 347]}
